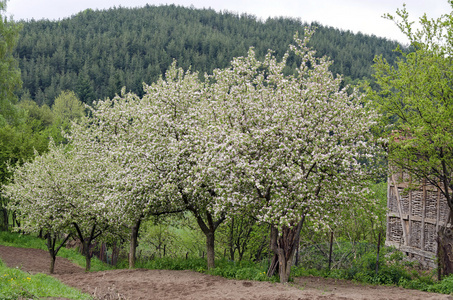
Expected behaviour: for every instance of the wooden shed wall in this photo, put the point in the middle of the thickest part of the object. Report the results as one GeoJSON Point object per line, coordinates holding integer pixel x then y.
{"type": "Point", "coordinates": [414, 217]}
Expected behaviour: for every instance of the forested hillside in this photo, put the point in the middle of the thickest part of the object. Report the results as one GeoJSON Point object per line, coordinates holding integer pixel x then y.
{"type": "Point", "coordinates": [95, 53]}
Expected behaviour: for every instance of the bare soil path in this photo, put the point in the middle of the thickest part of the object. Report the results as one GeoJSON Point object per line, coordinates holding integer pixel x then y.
{"type": "Point", "coordinates": [167, 284]}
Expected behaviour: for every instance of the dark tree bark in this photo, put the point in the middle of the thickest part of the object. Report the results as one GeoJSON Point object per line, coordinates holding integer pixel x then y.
{"type": "Point", "coordinates": [209, 228]}
{"type": "Point", "coordinates": [86, 243]}
{"type": "Point", "coordinates": [284, 246]}
{"type": "Point", "coordinates": [231, 240]}
{"type": "Point", "coordinates": [51, 241]}
{"type": "Point", "coordinates": [444, 252]}
{"type": "Point", "coordinates": [133, 243]}
{"type": "Point", "coordinates": [5, 219]}
{"type": "Point", "coordinates": [207, 225]}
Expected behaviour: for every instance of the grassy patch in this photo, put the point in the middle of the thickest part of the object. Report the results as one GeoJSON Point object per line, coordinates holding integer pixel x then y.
{"type": "Point", "coordinates": [16, 284]}
{"type": "Point", "coordinates": [21, 240]}
{"type": "Point", "coordinates": [79, 259]}
{"type": "Point", "coordinates": [165, 263]}
{"type": "Point", "coordinates": [243, 270]}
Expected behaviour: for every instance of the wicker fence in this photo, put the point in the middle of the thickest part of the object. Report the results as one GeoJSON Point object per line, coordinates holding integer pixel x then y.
{"type": "Point", "coordinates": [414, 217]}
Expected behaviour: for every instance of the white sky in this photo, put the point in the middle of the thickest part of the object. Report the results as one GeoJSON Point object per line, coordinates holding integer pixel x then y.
{"type": "Point", "coordinates": [355, 15]}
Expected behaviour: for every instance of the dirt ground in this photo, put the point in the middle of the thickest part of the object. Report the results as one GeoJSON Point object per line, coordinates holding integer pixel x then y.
{"type": "Point", "coordinates": [167, 284]}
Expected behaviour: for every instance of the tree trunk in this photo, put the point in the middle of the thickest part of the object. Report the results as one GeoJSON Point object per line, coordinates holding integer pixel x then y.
{"type": "Point", "coordinates": [444, 252]}
{"type": "Point", "coordinates": [86, 252]}
{"type": "Point", "coordinates": [86, 242]}
{"type": "Point", "coordinates": [52, 263]}
{"type": "Point", "coordinates": [209, 229]}
{"type": "Point", "coordinates": [284, 245]}
{"type": "Point", "coordinates": [210, 237]}
{"type": "Point", "coordinates": [133, 243]}
{"type": "Point", "coordinates": [263, 244]}
{"type": "Point", "coordinates": [15, 222]}
{"type": "Point", "coordinates": [5, 219]}
{"type": "Point", "coordinates": [51, 240]}
{"type": "Point", "coordinates": [51, 249]}
{"type": "Point", "coordinates": [231, 240]}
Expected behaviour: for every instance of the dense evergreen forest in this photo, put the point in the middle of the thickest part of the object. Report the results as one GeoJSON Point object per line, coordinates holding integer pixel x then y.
{"type": "Point", "coordinates": [95, 53]}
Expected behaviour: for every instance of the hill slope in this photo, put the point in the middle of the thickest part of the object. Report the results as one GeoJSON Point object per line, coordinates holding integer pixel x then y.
{"type": "Point", "coordinates": [95, 53]}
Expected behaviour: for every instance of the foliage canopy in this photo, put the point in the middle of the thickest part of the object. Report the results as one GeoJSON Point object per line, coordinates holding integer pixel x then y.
{"type": "Point", "coordinates": [415, 98]}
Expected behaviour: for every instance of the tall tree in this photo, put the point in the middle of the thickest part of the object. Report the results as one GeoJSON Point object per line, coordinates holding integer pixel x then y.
{"type": "Point", "coordinates": [85, 89]}
{"type": "Point", "coordinates": [415, 98]}
{"type": "Point", "coordinates": [180, 136]}
{"type": "Point", "coordinates": [286, 148]}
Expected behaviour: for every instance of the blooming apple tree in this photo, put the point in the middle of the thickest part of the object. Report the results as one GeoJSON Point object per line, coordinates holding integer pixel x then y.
{"type": "Point", "coordinates": [176, 101]}
{"type": "Point", "coordinates": [39, 198]}
{"type": "Point", "coordinates": [155, 144]}
{"type": "Point", "coordinates": [286, 147]}
{"type": "Point", "coordinates": [62, 192]}
{"type": "Point", "coordinates": [122, 133]}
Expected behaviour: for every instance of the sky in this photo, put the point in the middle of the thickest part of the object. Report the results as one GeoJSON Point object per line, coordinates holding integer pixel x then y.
{"type": "Point", "coordinates": [363, 16]}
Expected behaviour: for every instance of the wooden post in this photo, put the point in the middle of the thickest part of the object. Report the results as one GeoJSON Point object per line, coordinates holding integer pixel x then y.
{"type": "Point", "coordinates": [400, 211]}
{"type": "Point", "coordinates": [330, 251]}
{"type": "Point", "coordinates": [422, 233]}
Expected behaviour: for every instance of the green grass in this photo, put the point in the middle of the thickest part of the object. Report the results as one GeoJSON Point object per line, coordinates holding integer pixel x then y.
{"type": "Point", "coordinates": [244, 270]}
{"type": "Point", "coordinates": [16, 284]}
{"type": "Point", "coordinates": [21, 240]}
{"type": "Point", "coordinates": [79, 259]}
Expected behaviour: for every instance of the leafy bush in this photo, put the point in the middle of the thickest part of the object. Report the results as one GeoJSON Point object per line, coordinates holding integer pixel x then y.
{"type": "Point", "coordinates": [393, 269]}
{"type": "Point", "coordinates": [445, 286]}
{"type": "Point", "coordinates": [344, 254]}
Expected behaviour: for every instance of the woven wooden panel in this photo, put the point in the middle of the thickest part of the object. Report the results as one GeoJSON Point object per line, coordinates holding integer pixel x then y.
{"type": "Point", "coordinates": [395, 230]}
{"type": "Point", "coordinates": [443, 209]}
{"type": "Point", "coordinates": [422, 211]}
{"type": "Point", "coordinates": [416, 234]}
{"type": "Point", "coordinates": [404, 198]}
{"type": "Point", "coordinates": [398, 177]}
{"type": "Point", "coordinates": [431, 205]}
{"type": "Point", "coordinates": [426, 261]}
{"type": "Point", "coordinates": [392, 203]}
{"type": "Point", "coordinates": [430, 238]}
{"type": "Point", "coordinates": [417, 203]}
